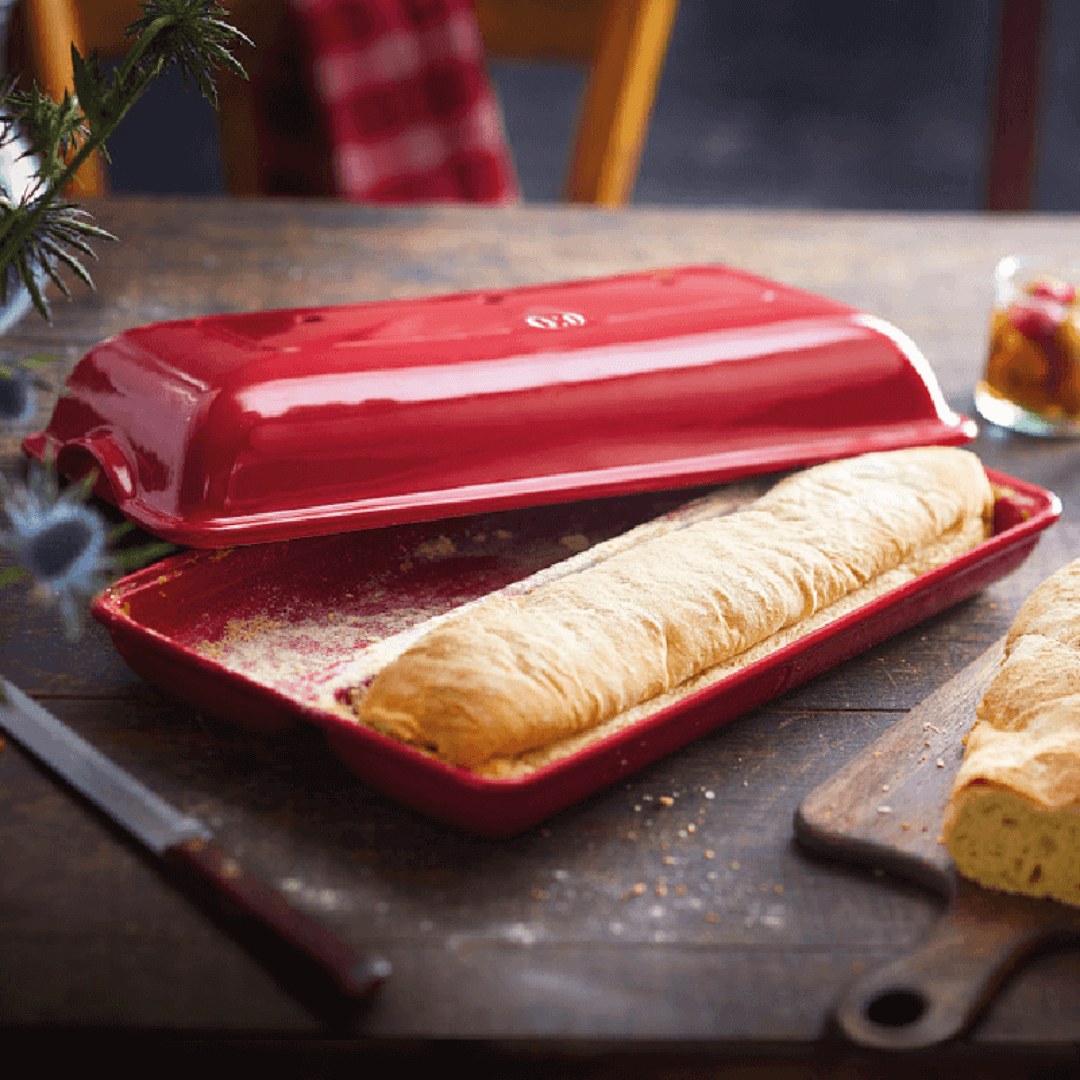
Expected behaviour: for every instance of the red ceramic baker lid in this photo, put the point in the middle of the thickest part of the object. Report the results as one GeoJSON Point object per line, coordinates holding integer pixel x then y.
{"type": "Point", "coordinates": [247, 428]}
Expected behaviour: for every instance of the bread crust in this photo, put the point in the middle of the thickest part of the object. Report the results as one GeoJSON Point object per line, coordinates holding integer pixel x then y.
{"type": "Point", "coordinates": [519, 672]}
{"type": "Point", "coordinates": [1014, 811]}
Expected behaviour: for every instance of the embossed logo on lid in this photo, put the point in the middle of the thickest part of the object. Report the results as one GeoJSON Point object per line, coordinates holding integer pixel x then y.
{"type": "Point", "coordinates": [555, 320]}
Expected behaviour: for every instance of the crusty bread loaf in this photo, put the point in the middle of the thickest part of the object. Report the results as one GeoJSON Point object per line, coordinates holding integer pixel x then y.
{"type": "Point", "coordinates": [1013, 821]}
{"type": "Point", "coordinates": [518, 672]}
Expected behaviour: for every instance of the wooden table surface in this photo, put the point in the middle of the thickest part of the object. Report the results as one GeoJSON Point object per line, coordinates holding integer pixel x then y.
{"type": "Point", "coordinates": [539, 944]}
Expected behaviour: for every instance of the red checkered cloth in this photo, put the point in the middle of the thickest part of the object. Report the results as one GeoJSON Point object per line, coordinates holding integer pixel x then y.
{"type": "Point", "coordinates": [405, 102]}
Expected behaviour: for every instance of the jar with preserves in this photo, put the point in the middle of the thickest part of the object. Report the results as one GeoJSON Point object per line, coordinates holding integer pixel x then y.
{"type": "Point", "coordinates": [1032, 380]}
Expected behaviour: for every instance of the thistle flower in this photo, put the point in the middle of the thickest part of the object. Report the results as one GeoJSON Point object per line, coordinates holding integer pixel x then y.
{"type": "Point", "coordinates": [18, 381]}
{"type": "Point", "coordinates": [58, 237]}
{"type": "Point", "coordinates": [16, 395]}
{"type": "Point", "coordinates": [58, 540]}
{"type": "Point", "coordinates": [193, 35]}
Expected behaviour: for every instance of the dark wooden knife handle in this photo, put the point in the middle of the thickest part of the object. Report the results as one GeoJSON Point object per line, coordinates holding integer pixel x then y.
{"type": "Point", "coordinates": [240, 894]}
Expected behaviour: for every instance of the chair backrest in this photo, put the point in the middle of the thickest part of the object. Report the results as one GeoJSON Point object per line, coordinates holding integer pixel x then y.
{"type": "Point", "coordinates": [622, 42]}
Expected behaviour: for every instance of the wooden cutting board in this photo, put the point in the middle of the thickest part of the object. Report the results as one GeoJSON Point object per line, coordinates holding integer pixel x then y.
{"type": "Point", "coordinates": [884, 811]}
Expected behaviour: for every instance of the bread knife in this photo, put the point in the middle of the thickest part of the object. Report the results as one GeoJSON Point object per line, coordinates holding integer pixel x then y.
{"type": "Point", "coordinates": [186, 846]}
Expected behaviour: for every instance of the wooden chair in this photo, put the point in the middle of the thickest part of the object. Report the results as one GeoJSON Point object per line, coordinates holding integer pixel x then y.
{"type": "Point", "coordinates": [622, 42]}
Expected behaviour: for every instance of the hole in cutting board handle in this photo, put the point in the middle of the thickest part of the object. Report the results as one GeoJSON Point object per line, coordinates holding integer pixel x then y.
{"type": "Point", "coordinates": [896, 1008]}
{"type": "Point", "coordinates": [908, 1005]}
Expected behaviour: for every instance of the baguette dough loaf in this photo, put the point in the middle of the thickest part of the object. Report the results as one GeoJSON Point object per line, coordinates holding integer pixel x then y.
{"type": "Point", "coordinates": [1013, 821]}
{"type": "Point", "coordinates": [515, 673]}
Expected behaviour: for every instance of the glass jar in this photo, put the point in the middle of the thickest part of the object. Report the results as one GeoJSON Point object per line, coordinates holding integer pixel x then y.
{"type": "Point", "coordinates": [1032, 379]}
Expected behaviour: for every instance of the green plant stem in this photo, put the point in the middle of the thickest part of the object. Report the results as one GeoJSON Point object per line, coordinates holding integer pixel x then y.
{"type": "Point", "coordinates": [95, 141]}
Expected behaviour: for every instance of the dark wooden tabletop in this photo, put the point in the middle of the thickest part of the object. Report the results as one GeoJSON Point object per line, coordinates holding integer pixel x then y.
{"type": "Point", "coordinates": [542, 943]}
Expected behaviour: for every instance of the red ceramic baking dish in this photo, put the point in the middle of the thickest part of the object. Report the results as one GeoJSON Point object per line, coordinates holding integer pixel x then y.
{"type": "Point", "coordinates": [262, 634]}
{"type": "Point", "coordinates": [246, 428]}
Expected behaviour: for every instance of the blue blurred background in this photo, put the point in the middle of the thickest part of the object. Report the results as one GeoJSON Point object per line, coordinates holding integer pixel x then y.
{"type": "Point", "coordinates": [877, 104]}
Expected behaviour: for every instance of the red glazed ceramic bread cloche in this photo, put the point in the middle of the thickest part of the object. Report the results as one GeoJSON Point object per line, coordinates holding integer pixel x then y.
{"type": "Point", "coordinates": [257, 427]}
